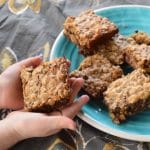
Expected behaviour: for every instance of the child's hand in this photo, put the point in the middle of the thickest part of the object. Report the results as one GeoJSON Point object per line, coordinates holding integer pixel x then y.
{"type": "Point", "coordinates": [21, 125]}
{"type": "Point", "coordinates": [28, 124]}
{"type": "Point", "coordinates": [10, 84]}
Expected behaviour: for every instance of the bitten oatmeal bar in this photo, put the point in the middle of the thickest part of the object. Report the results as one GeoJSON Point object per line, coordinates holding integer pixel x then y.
{"type": "Point", "coordinates": [46, 87]}
{"type": "Point", "coordinates": [128, 95]}
{"type": "Point", "coordinates": [98, 73]}
{"type": "Point", "coordinates": [88, 29]}
{"type": "Point", "coordinates": [138, 56]}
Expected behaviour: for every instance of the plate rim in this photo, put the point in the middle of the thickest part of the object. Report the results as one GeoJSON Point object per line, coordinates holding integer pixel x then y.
{"type": "Point", "coordinates": [96, 10]}
{"type": "Point", "coordinates": [92, 122]}
{"type": "Point", "coordinates": [85, 117]}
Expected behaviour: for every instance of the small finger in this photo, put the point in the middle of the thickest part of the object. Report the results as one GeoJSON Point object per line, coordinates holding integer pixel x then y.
{"type": "Point", "coordinates": [72, 110]}
{"type": "Point", "coordinates": [33, 61]}
{"type": "Point", "coordinates": [78, 83]}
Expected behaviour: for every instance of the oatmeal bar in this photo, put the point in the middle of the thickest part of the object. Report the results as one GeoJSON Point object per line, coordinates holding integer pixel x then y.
{"type": "Point", "coordinates": [88, 29]}
{"type": "Point", "coordinates": [112, 49]}
{"type": "Point", "coordinates": [46, 87]}
{"type": "Point", "coordinates": [138, 56]}
{"type": "Point", "coordinates": [140, 38]}
{"type": "Point", "coordinates": [98, 73]}
{"type": "Point", "coordinates": [128, 95]}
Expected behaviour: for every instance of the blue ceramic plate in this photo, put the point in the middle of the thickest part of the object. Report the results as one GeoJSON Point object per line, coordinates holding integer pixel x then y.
{"type": "Point", "coordinates": [128, 18]}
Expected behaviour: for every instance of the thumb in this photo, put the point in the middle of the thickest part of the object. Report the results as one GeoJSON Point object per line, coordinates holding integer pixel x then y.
{"type": "Point", "coordinates": [14, 70]}
{"type": "Point", "coordinates": [72, 110]}
{"type": "Point", "coordinates": [33, 61]}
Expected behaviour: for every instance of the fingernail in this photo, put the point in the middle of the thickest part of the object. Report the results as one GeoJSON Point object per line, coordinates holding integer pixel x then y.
{"type": "Point", "coordinates": [85, 98]}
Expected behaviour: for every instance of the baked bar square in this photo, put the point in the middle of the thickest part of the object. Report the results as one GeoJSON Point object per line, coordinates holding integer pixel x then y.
{"type": "Point", "coordinates": [128, 95]}
{"type": "Point", "coordinates": [88, 29]}
{"type": "Point", "coordinates": [112, 49]}
{"type": "Point", "coordinates": [138, 56]}
{"type": "Point", "coordinates": [97, 73]}
{"type": "Point", "coordinates": [46, 87]}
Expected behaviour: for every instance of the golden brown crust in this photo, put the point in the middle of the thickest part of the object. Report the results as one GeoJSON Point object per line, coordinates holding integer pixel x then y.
{"type": "Point", "coordinates": [88, 29]}
{"type": "Point", "coordinates": [128, 95]}
{"type": "Point", "coordinates": [140, 38]}
{"type": "Point", "coordinates": [138, 56]}
{"type": "Point", "coordinates": [112, 49]}
{"type": "Point", "coordinates": [46, 87]}
{"type": "Point", "coordinates": [98, 73]}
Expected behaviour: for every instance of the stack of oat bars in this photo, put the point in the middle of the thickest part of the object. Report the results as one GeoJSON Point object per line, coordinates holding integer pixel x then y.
{"type": "Point", "coordinates": [105, 51]}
